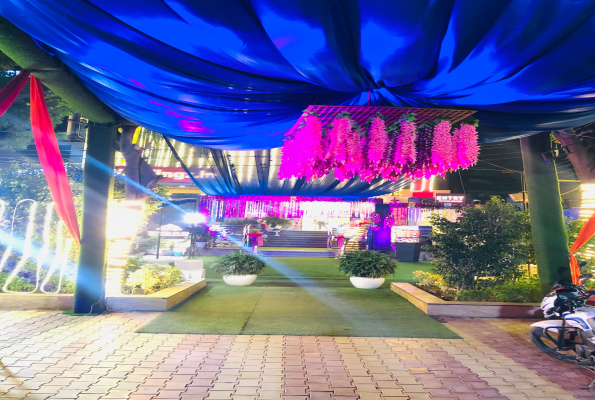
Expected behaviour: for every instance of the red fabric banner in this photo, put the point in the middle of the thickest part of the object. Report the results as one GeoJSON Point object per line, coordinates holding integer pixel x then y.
{"type": "Point", "coordinates": [10, 92]}
{"type": "Point", "coordinates": [587, 231]}
{"type": "Point", "coordinates": [51, 160]}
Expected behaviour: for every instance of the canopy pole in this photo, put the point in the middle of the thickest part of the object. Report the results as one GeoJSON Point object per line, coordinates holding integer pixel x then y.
{"type": "Point", "coordinates": [98, 185]}
{"type": "Point", "coordinates": [550, 239]}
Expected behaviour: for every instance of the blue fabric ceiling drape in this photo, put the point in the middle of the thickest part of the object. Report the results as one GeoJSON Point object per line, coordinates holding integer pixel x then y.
{"type": "Point", "coordinates": [236, 74]}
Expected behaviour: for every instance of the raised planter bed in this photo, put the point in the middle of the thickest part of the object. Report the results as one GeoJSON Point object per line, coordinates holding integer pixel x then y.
{"type": "Point", "coordinates": [36, 301]}
{"type": "Point", "coordinates": [435, 306]}
{"type": "Point", "coordinates": [162, 300]}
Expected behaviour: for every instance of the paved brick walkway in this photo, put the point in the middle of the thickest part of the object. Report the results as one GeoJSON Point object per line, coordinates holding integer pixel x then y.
{"type": "Point", "coordinates": [48, 355]}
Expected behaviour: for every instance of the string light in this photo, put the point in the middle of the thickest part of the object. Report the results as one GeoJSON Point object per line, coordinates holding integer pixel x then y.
{"type": "Point", "coordinates": [60, 259]}
{"type": "Point", "coordinates": [251, 161]}
{"type": "Point", "coordinates": [190, 159]}
{"type": "Point", "coordinates": [240, 166]}
{"type": "Point", "coordinates": [587, 201]}
{"type": "Point", "coordinates": [26, 243]}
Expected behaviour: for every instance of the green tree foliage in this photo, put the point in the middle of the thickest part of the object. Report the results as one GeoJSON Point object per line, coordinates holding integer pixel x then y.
{"type": "Point", "coordinates": [238, 264]}
{"type": "Point", "coordinates": [367, 264]}
{"type": "Point", "coordinates": [15, 124]}
{"type": "Point", "coordinates": [488, 241]}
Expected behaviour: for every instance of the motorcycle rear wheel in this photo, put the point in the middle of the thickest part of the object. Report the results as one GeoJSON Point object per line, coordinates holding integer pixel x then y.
{"type": "Point", "coordinates": [545, 345]}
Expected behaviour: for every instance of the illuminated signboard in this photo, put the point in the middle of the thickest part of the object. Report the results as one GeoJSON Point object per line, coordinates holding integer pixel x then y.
{"type": "Point", "coordinates": [405, 234]}
{"type": "Point", "coordinates": [451, 198]}
{"type": "Point", "coordinates": [175, 174]}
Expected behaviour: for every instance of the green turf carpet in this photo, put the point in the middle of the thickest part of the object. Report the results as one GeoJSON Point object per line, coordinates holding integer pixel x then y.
{"type": "Point", "coordinates": [300, 296]}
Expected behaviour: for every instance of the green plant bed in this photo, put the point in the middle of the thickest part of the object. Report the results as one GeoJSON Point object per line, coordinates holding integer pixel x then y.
{"type": "Point", "coordinates": [298, 296]}
{"type": "Point", "coordinates": [522, 290]}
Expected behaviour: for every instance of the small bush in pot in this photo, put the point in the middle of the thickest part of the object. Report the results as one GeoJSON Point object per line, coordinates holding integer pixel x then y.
{"type": "Point", "coordinates": [238, 269]}
{"type": "Point", "coordinates": [367, 268]}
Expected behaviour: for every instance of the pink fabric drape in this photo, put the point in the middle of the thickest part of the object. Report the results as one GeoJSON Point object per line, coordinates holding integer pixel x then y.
{"type": "Point", "coordinates": [51, 160]}
{"type": "Point", "coordinates": [9, 93]}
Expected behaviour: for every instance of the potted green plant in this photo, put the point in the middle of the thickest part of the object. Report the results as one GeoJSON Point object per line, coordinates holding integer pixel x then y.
{"type": "Point", "coordinates": [238, 269]}
{"type": "Point", "coordinates": [367, 268]}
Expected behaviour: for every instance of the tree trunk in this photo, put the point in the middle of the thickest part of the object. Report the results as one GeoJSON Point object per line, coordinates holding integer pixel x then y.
{"type": "Point", "coordinates": [550, 239]}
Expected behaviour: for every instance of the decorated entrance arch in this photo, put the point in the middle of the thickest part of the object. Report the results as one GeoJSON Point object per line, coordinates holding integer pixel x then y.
{"type": "Point", "coordinates": [270, 60]}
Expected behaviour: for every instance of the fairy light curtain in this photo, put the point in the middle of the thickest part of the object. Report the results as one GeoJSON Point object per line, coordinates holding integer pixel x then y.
{"type": "Point", "coordinates": [273, 58]}
{"type": "Point", "coordinates": [286, 207]}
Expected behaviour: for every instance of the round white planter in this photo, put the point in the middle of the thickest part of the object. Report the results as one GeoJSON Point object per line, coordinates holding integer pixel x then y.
{"type": "Point", "coordinates": [366, 283]}
{"type": "Point", "coordinates": [239, 280]}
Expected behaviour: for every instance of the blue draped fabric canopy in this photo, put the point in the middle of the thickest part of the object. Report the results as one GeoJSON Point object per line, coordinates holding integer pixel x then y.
{"type": "Point", "coordinates": [236, 74]}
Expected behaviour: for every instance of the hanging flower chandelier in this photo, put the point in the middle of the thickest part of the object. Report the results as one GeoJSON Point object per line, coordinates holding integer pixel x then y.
{"type": "Point", "coordinates": [371, 142]}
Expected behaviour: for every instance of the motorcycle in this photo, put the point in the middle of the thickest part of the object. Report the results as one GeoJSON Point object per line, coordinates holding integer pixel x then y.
{"type": "Point", "coordinates": [568, 333]}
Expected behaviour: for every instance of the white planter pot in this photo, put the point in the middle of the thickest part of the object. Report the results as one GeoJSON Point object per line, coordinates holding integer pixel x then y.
{"type": "Point", "coordinates": [366, 283]}
{"type": "Point", "coordinates": [201, 244]}
{"type": "Point", "coordinates": [239, 280]}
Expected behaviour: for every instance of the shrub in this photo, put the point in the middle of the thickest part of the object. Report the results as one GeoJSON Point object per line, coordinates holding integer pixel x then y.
{"type": "Point", "coordinates": [151, 278]}
{"type": "Point", "coordinates": [524, 290]}
{"type": "Point", "coordinates": [488, 241]}
{"type": "Point", "coordinates": [277, 222]}
{"type": "Point", "coordinates": [427, 279]}
{"type": "Point", "coordinates": [367, 264]}
{"type": "Point", "coordinates": [238, 264]}
{"type": "Point", "coordinates": [434, 283]}
{"type": "Point", "coordinates": [18, 284]}
{"type": "Point", "coordinates": [240, 221]}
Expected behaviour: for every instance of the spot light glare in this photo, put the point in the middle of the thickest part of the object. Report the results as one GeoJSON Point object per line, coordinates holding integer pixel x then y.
{"type": "Point", "coordinates": [194, 218]}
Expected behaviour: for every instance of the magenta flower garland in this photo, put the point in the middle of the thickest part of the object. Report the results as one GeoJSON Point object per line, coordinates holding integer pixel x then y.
{"type": "Point", "coordinates": [400, 150]}
{"type": "Point", "coordinates": [443, 157]}
{"type": "Point", "coordinates": [406, 151]}
{"type": "Point", "coordinates": [465, 139]}
{"type": "Point", "coordinates": [378, 143]}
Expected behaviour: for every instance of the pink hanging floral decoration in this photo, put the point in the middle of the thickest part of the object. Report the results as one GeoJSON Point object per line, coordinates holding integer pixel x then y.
{"type": "Point", "coordinates": [467, 147]}
{"type": "Point", "coordinates": [337, 152]}
{"type": "Point", "coordinates": [355, 158]}
{"type": "Point", "coordinates": [405, 151]}
{"type": "Point", "coordinates": [443, 155]}
{"type": "Point", "coordinates": [311, 142]}
{"type": "Point", "coordinates": [287, 167]}
{"type": "Point", "coordinates": [378, 142]}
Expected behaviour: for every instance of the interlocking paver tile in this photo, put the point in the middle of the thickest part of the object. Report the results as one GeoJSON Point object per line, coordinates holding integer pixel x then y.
{"type": "Point", "coordinates": [48, 355]}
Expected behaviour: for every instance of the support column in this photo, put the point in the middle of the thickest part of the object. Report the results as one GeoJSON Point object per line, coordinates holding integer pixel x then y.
{"type": "Point", "coordinates": [98, 181]}
{"type": "Point", "coordinates": [550, 239]}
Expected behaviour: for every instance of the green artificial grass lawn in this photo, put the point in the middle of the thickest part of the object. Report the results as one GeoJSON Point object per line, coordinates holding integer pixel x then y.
{"type": "Point", "coordinates": [300, 296]}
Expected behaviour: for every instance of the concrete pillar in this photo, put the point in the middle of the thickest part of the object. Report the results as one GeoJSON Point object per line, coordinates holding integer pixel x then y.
{"type": "Point", "coordinates": [550, 239]}
{"type": "Point", "coordinates": [98, 181]}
